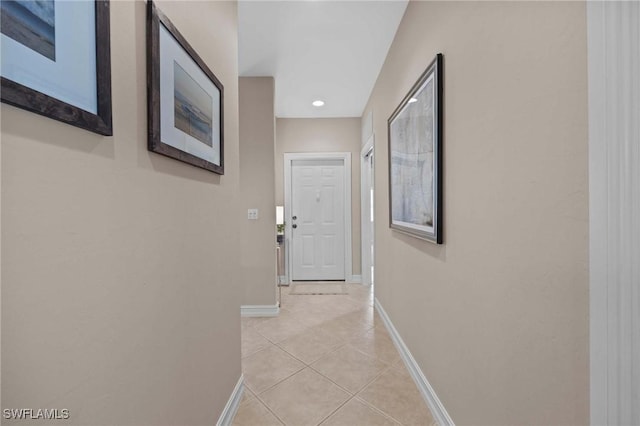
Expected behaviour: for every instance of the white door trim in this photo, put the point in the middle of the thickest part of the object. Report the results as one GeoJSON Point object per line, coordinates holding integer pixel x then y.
{"type": "Point", "coordinates": [366, 233]}
{"type": "Point", "coordinates": [614, 211]}
{"type": "Point", "coordinates": [289, 157]}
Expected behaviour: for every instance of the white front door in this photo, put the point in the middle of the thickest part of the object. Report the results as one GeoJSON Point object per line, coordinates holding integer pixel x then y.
{"type": "Point", "coordinates": [317, 220]}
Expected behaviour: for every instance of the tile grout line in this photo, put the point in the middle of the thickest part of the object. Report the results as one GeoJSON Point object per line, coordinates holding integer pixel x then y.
{"type": "Point", "coordinates": [322, 356]}
{"type": "Point", "coordinates": [376, 377]}
{"type": "Point", "coordinates": [255, 352]}
{"type": "Point", "coordinates": [340, 386]}
{"type": "Point", "coordinates": [354, 395]}
{"type": "Point", "coordinates": [304, 330]}
{"type": "Point", "coordinates": [387, 366]}
{"type": "Point", "coordinates": [351, 395]}
{"type": "Point", "coordinates": [351, 313]}
{"type": "Point", "coordinates": [269, 409]}
{"type": "Point", "coordinates": [277, 383]}
{"type": "Point", "coordinates": [377, 410]}
{"type": "Point", "coordinates": [336, 410]}
{"type": "Point", "coordinates": [387, 363]}
{"type": "Point", "coordinates": [369, 404]}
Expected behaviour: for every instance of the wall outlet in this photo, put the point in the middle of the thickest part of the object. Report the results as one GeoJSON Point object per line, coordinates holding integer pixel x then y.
{"type": "Point", "coordinates": [252, 214]}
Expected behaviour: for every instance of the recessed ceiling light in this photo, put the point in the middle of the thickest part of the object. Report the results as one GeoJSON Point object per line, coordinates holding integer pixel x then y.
{"type": "Point", "coordinates": [412, 100]}
{"type": "Point", "coordinates": [317, 103]}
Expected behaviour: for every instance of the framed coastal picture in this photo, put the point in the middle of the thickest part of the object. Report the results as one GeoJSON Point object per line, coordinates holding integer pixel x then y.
{"type": "Point", "coordinates": [415, 158]}
{"type": "Point", "coordinates": [56, 60]}
{"type": "Point", "coordinates": [185, 99]}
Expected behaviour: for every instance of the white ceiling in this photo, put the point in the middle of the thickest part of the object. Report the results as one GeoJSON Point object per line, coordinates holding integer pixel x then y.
{"type": "Point", "coordinates": [328, 50]}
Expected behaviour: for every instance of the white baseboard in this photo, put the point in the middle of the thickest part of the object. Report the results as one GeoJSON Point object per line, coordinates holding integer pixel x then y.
{"type": "Point", "coordinates": [259, 310]}
{"type": "Point", "coordinates": [355, 279]}
{"type": "Point", "coordinates": [230, 410]}
{"type": "Point", "coordinates": [433, 402]}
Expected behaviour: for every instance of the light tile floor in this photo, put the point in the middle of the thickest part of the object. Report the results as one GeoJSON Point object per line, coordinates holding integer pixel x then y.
{"type": "Point", "coordinates": [325, 360]}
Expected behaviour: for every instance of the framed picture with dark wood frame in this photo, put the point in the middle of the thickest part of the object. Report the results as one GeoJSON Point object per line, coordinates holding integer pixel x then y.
{"type": "Point", "coordinates": [185, 99]}
{"type": "Point", "coordinates": [415, 158]}
{"type": "Point", "coordinates": [56, 60]}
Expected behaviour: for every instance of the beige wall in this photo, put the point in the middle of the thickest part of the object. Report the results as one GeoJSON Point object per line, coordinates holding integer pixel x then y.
{"type": "Point", "coordinates": [257, 180]}
{"type": "Point", "coordinates": [120, 295]}
{"type": "Point", "coordinates": [323, 135]}
{"type": "Point", "coordinates": [497, 317]}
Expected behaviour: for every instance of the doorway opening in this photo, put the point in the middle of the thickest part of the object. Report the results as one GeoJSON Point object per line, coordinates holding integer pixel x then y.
{"type": "Point", "coordinates": [367, 211]}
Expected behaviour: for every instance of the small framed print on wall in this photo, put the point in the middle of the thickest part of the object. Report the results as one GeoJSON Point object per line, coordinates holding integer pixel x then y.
{"type": "Point", "coordinates": [185, 99]}
{"type": "Point", "coordinates": [56, 60]}
{"type": "Point", "coordinates": [415, 158]}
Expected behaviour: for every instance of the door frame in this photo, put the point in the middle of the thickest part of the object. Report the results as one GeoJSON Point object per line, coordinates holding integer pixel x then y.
{"type": "Point", "coordinates": [367, 234]}
{"type": "Point", "coordinates": [289, 157]}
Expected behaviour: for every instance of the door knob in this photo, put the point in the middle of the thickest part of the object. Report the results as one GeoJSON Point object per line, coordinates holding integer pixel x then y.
{"type": "Point", "coordinates": [294, 226]}
{"type": "Point", "coordinates": [294, 218]}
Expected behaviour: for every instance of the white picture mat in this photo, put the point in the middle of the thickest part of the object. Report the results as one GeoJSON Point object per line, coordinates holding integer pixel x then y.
{"type": "Point", "coordinates": [72, 77]}
{"type": "Point", "coordinates": [420, 227]}
{"type": "Point", "coordinates": [170, 51]}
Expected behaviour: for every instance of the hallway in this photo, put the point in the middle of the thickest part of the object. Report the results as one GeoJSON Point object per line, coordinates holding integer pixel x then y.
{"type": "Point", "coordinates": [483, 157]}
{"type": "Point", "coordinates": [326, 359]}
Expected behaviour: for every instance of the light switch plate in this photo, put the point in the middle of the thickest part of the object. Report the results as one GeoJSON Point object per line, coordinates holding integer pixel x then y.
{"type": "Point", "coordinates": [252, 214]}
